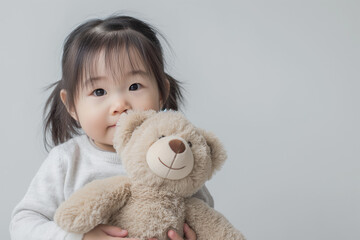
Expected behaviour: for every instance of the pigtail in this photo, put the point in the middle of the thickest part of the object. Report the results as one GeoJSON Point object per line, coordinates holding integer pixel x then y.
{"type": "Point", "coordinates": [175, 96]}
{"type": "Point", "coordinates": [57, 121]}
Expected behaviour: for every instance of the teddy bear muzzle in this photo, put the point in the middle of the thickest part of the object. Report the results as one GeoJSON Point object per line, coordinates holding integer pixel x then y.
{"type": "Point", "coordinates": [170, 158]}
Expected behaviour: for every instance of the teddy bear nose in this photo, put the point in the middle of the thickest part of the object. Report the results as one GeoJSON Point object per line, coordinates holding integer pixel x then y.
{"type": "Point", "coordinates": [177, 146]}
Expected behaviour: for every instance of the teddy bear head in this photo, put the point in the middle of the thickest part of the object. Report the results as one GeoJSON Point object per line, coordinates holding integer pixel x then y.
{"type": "Point", "coordinates": [164, 150]}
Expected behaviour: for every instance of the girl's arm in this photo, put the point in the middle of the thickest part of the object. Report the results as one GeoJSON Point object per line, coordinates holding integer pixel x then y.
{"type": "Point", "coordinates": [32, 218]}
{"type": "Point", "coordinates": [205, 195]}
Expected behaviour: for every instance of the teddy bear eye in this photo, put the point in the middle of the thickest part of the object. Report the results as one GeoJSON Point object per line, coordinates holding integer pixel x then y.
{"type": "Point", "coordinates": [190, 144]}
{"type": "Point", "coordinates": [161, 136]}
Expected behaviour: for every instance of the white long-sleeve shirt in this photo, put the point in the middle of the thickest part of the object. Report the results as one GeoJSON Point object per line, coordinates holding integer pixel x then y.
{"type": "Point", "coordinates": [68, 167]}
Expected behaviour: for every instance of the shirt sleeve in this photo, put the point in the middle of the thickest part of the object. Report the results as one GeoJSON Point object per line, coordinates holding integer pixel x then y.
{"type": "Point", "coordinates": [205, 195]}
{"type": "Point", "coordinates": [32, 218]}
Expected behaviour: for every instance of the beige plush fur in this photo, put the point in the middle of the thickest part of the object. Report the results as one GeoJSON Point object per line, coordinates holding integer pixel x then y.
{"type": "Point", "coordinates": [150, 201]}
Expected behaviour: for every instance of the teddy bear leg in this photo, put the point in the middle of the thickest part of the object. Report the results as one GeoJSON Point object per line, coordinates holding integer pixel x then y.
{"type": "Point", "coordinates": [208, 223]}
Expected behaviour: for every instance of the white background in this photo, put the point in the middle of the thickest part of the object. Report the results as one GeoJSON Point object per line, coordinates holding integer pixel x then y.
{"type": "Point", "coordinates": [277, 81]}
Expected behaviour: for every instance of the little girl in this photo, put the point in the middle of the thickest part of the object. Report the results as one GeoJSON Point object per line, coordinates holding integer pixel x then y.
{"type": "Point", "coordinates": [108, 67]}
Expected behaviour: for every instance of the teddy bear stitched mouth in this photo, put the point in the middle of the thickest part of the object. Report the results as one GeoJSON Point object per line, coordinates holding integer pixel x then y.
{"type": "Point", "coordinates": [170, 167]}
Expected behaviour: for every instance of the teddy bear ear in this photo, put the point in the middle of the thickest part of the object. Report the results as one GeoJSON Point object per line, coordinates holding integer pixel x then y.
{"type": "Point", "coordinates": [127, 124]}
{"type": "Point", "coordinates": [217, 151]}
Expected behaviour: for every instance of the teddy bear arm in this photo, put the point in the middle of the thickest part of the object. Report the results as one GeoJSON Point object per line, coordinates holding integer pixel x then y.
{"type": "Point", "coordinates": [208, 223]}
{"type": "Point", "coordinates": [93, 204]}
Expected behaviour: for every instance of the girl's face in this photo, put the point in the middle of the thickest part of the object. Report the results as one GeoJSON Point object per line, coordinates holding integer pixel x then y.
{"type": "Point", "coordinates": [98, 106]}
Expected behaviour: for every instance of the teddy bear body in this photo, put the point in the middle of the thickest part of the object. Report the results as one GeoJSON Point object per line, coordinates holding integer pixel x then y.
{"type": "Point", "coordinates": [167, 160]}
{"type": "Point", "coordinates": [157, 212]}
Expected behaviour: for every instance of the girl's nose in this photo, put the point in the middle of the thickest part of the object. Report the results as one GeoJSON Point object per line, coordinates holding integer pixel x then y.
{"type": "Point", "coordinates": [119, 105]}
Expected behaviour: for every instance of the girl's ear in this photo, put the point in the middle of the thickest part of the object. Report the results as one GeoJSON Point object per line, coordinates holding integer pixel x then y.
{"type": "Point", "coordinates": [63, 96]}
{"type": "Point", "coordinates": [127, 124]}
{"type": "Point", "coordinates": [167, 89]}
{"type": "Point", "coordinates": [167, 85]}
{"type": "Point", "coordinates": [217, 151]}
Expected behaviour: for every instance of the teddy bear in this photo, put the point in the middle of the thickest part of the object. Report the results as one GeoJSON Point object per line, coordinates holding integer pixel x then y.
{"type": "Point", "coordinates": [167, 160]}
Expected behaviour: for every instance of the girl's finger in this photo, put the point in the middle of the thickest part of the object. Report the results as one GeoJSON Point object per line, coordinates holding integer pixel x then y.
{"type": "Point", "coordinates": [173, 235]}
{"type": "Point", "coordinates": [115, 238]}
{"type": "Point", "coordinates": [113, 231]}
{"type": "Point", "coordinates": [189, 233]}
{"type": "Point", "coordinates": [131, 239]}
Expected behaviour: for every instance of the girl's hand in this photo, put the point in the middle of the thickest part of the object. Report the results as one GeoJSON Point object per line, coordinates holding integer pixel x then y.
{"type": "Point", "coordinates": [106, 232]}
{"type": "Point", "coordinates": [189, 234]}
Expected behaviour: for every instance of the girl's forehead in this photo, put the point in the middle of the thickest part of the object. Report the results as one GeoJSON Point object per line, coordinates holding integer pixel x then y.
{"type": "Point", "coordinates": [115, 64]}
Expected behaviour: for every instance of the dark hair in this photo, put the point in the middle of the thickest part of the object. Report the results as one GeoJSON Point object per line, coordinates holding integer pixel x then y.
{"type": "Point", "coordinates": [82, 48]}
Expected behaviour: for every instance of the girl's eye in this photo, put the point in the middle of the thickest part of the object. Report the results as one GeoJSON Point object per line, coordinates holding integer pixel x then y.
{"type": "Point", "coordinates": [134, 87]}
{"type": "Point", "coordinates": [99, 92]}
{"type": "Point", "coordinates": [161, 136]}
{"type": "Point", "coordinates": [190, 144]}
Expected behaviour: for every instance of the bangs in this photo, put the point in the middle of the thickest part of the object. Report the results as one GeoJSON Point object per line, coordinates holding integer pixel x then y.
{"type": "Point", "coordinates": [121, 52]}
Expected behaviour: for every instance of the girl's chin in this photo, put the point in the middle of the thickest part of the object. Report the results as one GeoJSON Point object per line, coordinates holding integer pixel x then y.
{"type": "Point", "coordinates": [105, 146]}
